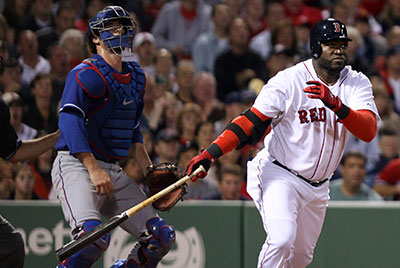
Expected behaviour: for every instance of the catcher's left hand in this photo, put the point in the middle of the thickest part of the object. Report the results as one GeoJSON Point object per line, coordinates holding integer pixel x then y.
{"type": "Point", "coordinates": [160, 177]}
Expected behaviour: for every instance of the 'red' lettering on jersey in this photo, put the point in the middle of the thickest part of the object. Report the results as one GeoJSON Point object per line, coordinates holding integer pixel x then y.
{"type": "Point", "coordinates": [306, 135]}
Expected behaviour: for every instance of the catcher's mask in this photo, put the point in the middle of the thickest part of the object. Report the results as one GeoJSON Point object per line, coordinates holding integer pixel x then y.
{"type": "Point", "coordinates": [100, 27]}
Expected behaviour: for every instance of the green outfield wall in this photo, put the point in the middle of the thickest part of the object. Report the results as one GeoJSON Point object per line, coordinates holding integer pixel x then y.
{"type": "Point", "coordinates": [215, 234]}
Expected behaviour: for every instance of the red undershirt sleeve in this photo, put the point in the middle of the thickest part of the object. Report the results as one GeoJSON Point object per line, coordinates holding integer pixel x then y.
{"type": "Point", "coordinates": [362, 124]}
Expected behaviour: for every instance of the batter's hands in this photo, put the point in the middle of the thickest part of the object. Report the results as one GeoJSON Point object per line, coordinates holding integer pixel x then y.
{"type": "Point", "coordinates": [205, 159]}
{"type": "Point", "coordinates": [101, 180]}
{"type": "Point", "coordinates": [322, 92]}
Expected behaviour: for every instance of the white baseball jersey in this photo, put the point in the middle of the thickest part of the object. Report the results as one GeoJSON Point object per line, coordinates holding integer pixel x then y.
{"type": "Point", "coordinates": [298, 140]}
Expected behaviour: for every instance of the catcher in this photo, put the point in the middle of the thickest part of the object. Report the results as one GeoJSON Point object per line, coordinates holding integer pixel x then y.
{"type": "Point", "coordinates": [99, 122]}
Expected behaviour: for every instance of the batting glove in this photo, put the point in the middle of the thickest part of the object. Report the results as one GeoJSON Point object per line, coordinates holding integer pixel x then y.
{"type": "Point", "coordinates": [204, 159]}
{"type": "Point", "coordinates": [322, 92]}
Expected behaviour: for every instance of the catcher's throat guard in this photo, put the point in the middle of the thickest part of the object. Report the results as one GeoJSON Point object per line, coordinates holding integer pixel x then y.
{"type": "Point", "coordinates": [161, 176]}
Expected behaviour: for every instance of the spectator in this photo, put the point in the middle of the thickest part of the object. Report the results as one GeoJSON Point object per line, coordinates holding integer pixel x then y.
{"type": "Point", "coordinates": [166, 146]}
{"type": "Point", "coordinates": [388, 180]}
{"type": "Point", "coordinates": [236, 67]}
{"type": "Point", "coordinates": [205, 134]}
{"type": "Point", "coordinates": [179, 23]}
{"type": "Point", "coordinates": [254, 17]}
{"type": "Point", "coordinates": [230, 180]}
{"type": "Point", "coordinates": [164, 64]}
{"type": "Point", "coordinates": [356, 60]}
{"type": "Point", "coordinates": [32, 63]}
{"type": "Point", "coordinates": [10, 76]}
{"type": "Point", "coordinates": [370, 150]}
{"type": "Point", "coordinates": [261, 43]}
{"type": "Point", "coordinates": [151, 10]}
{"type": "Point", "coordinates": [73, 41]}
{"type": "Point", "coordinates": [6, 33]}
{"type": "Point", "coordinates": [299, 12]}
{"type": "Point", "coordinates": [340, 12]}
{"type": "Point", "coordinates": [165, 113]}
{"type": "Point", "coordinates": [374, 44]}
{"type": "Point", "coordinates": [58, 59]}
{"type": "Point", "coordinates": [283, 34]}
{"type": "Point", "coordinates": [235, 7]}
{"type": "Point", "coordinates": [205, 94]}
{"type": "Point", "coordinates": [23, 183]}
{"type": "Point", "coordinates": [91, 9]}
{"type": "Point", "coordinates": [389, 119]}
{"type": "Point", "coordinates": [6, 178]}
{"type": "Point", "coordinates": [393, 36]}
{"type": "Point", "coordinates": [16, 10]}
{"type": "Point", "coordinates": [41, 114]}
{"type": "Point", "coordinates": [184, 81]}
{"type": "Point", "coordinates": [391, 75]}
{"type": "Point", "coordinates": [41, 167]}
{"type": "Point", "coordinates": [23, 131]}
{"type": "Point", "coordinates": [189, 118]}
{"type": "Point", "coordinates": [40, 17]}
{"type": "Point", "coordinates": [233, 107]}
{"type": "Point", "coordinates": [186, 152]}
{"type": "Point", "coordinates": [212, 43]}
{"type": "Point", "coordinates": [389, 149]}
{"type": "Point", "coordinates": [171, 112]}
{"type": "Point", "coordinates": [144, 46]}
{"type": "Point", "coordinates": [63, 20]}
{"type": "Point", "coordinates": [153, 93]}
{"type": "Point", "coordinates": [136, 8]}
{"type": "Point", "coordinates": [351, 186]}
{"type": "Point", "coordinates": [390, 15]}
{"type": "Point", "coordinates": [278, 60]}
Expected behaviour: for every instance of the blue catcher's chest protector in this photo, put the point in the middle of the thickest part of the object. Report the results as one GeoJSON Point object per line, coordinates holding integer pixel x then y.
{"type": "Point", "coordinates": [114, 115]}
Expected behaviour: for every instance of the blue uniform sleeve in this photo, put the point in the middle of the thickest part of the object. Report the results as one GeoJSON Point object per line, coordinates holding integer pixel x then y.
{"type": "Point", "coordinates": [82, 86]}
{"type": "Point", "coordinates": [74, 132]}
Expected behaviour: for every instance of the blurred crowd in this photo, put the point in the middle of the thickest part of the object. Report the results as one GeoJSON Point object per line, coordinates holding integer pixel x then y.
{"type": "Point", "coordinates": [205, 62]}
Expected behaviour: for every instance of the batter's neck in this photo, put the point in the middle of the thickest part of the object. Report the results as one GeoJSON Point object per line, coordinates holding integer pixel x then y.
{"type": "Point", "coordinates": [325, 75]}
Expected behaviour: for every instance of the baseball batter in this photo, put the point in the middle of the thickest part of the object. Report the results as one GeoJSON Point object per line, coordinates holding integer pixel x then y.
{"type": "Point", "coordinates": [312, 108]}
{"type": "Point", "coordinates": [99, 123]}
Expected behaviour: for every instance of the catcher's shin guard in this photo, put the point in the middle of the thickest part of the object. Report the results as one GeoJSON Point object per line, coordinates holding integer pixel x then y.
{"type": "Point", "coordinates": [152, 246]}
{"type": "Point", "coordinates": [90, 254]}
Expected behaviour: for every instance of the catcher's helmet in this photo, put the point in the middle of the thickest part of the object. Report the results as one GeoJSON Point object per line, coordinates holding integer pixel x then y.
{"type": "Point", "coordinates": [324, 31]}
{"type": "Point", "coordinates": [117, 43]}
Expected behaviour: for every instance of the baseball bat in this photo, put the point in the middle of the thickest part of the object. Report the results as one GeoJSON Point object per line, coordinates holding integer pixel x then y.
{"type": "Point", "coordinates": [82, 241]}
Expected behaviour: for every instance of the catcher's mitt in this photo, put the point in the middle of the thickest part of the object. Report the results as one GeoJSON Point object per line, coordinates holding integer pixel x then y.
{"type": "Point", "coordinates": [160, 177]}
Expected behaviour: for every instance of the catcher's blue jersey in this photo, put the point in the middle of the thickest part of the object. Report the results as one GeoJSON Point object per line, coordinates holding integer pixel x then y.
{"type": "Point", "coordinates": [100, 109]}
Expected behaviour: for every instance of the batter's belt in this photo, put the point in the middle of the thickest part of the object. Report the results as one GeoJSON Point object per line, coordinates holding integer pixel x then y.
{"type": "Point", "coordinates": [312, 183]}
